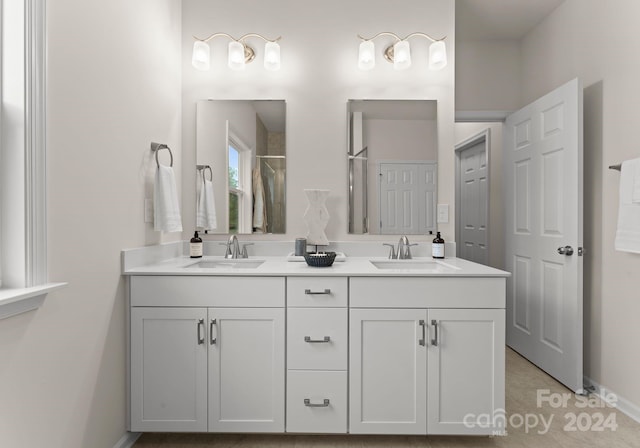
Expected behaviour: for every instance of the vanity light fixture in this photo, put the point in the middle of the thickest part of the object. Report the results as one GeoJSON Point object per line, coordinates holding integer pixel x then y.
{"type": "Point", "coordinates": [239, 53]}
{"type": "Point", "coordinates": [400, 52]}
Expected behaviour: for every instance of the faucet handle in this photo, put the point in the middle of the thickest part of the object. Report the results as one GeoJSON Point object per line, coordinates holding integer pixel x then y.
{"type": "Point", "coordinates": [244, 253]}
{"type": "Point", "coordinates": [408, 253]}
{"type": "Point", "coordinates": [227, 252]}
{"type": "Point", "coordinates": [392, 250]}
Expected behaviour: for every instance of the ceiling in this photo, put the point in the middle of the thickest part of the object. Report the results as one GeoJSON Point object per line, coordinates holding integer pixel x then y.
{"type": "Point", "coordinates": [500, 19]}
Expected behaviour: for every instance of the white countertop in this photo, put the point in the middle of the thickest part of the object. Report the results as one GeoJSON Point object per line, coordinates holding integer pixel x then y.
{"type": "Point", "coordinates": [351, 267]}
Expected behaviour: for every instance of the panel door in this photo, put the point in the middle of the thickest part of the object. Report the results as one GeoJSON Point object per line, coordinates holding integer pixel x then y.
{"type": "Point", "coordinates": [474, 189]}
{"type": "Point", "coordinates": [246, 370]}
{"type": "Point", "coordinates": [387, 371]}
{"type": "Point", "coordinates": [543, 206]}
{"type": "Point", "coordinates": [466, 371]}
{"type": "Point", "coordinates": [168, 369]}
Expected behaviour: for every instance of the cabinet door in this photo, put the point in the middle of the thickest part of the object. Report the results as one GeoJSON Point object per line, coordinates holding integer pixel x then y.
{"type": "Point", "coordinates": [466, 371]}
{"type": "Point", "coordinates": [387, 371]}
{"type": "Point", "coordinates": [246, 370]}
{"type": "Point", "coordinates": [168, 369]}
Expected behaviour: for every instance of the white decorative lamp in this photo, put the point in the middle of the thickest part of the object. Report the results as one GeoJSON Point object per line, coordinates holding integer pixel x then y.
{"type": "Point", "coordinates": [401, 55]}
{"type": "Point", "coordinates": [366, 55]}
{"type": "Point", "coordinates": [272, 56]}
{"type": "Point", "coordinates": [317, 217]}
{"type": "Point", "coordinates": [201, 55]}
{"type": "Point", "coordinates": [437, 55]}
{"type": "Point", "coordinates": [236, 55]}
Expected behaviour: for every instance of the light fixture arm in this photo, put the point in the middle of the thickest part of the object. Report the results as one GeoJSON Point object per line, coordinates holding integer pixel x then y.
{"type": "Point", "coordinates": [398, 38]}
{"type": "Point", "coordinates": [238, 40]}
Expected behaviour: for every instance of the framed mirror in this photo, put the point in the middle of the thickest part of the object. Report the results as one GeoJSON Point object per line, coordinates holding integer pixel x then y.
{"type": "Point", "coordinates": [241, 166]}
{"type": "Point", "coordinates": [393, 167]}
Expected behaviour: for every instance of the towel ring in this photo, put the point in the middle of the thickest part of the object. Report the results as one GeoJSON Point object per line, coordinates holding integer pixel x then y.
{"type": "Point", "coordinates": [205, 167]}
{"type": "Point", "coordinates": [157, 147]}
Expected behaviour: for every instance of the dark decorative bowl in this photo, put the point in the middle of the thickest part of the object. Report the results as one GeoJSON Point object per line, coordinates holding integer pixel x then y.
{"type": "Point", "coordinates": [320, 259]}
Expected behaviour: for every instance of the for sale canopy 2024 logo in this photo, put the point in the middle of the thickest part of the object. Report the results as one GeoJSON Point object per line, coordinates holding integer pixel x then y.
{"type": "Point", "coordinates": [589, 413]}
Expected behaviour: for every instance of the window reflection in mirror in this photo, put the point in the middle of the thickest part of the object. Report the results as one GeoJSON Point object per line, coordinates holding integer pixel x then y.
{"type": "Point", "coordinates": [244, 142]}
{"type": "Point", "coordinates": [393, 167]}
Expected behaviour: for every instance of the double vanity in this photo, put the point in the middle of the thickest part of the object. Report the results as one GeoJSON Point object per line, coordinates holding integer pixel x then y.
{"type": "Point", "coordinates": [266, 344]}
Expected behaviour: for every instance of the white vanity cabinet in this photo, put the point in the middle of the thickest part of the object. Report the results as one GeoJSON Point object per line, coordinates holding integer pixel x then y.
{"type": "Point", "coordinates": [429, 369]}
{"type": "Point", "coordinates": [207, 354]}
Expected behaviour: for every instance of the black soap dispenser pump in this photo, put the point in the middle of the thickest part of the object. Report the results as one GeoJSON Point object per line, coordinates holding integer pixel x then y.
{"type": "Point", "coordinates": [437, 248]}
{"type": "Point", "coordinates": [195, 246]}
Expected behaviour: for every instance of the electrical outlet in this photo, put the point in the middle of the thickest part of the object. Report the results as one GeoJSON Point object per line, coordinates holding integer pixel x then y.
{"type": "Point", "coordinates": [443, 213]}
{"type": "Point", "coordinates": [148, 210]}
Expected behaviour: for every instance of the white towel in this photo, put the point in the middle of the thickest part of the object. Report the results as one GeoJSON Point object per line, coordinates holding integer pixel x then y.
{"type": "Point", "coordinates": [259, 206]}
{"type": "Point", "coordinates": [166, 209]}
{"type": "Point", "coordinates": [628, 233]}
{"type": "Point", "coordinates": [206, 214]}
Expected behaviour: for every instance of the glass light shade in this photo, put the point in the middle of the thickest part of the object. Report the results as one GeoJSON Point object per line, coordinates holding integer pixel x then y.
{"type": "Point", "coordinates": [201, 57]}
{"type": "Point", "coordinates": [401, 55]}
{"type": "Point", "coordinates": [272, 56]}
{"type": "Point", "coordinates": [437, 55]}
{"type": "Point", "coordinates": [366, 55]}
{"type": "Point", "coordinates": [236, 55]}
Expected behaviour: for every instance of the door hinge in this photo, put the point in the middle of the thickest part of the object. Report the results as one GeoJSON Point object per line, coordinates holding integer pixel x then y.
{"type": "Point", "coordinates": [581, 251]}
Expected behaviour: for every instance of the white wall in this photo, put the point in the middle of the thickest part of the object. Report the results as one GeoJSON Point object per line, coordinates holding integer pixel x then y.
{"type": "Point", "coordinates": [319, 74]}
{"type": "Point", "coordinates": [598, 42]}
{"type": "Point", "coordinates": [488, 75]}
{"type": "Point", "coordinates": [113, 87]}
{"type": "Point", "coordinates": [465, 131]}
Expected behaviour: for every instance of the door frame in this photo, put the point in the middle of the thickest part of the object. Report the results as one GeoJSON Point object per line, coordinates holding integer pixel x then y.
{"type": "Point", "coordinates": [482, 136]}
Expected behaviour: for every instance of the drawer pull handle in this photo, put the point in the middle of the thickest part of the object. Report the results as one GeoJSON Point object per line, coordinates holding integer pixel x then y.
{"type": "Point", "coordinates": [317, 341]}
{"type": "Point", "coordinates": [200, 327]}
{"type": "Point", "coordinates": [315, 293]}
{"type": "Point", "coordinates": [324, 404]}
{"type": "Point", "coordinates": [423, 340]}
{"type": "Point", "coordinates": [434, 341]}
{"type": "Point", "coordinates": [212, 325]}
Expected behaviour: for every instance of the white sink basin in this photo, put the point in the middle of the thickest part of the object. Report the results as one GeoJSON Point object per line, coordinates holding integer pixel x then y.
{"type": "Point", "coordinates": [226, 263]}
{"type": "Point", "coordinates": [414, 265]}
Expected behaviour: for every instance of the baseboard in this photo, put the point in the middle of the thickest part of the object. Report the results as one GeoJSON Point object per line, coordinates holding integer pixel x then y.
{"type": "Point", "coordinates": [623, 405]}
{"type": "Point", "coordinates": [127, 440]}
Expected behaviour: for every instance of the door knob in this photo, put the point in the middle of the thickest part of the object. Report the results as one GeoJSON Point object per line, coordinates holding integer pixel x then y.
{"type": "Point", "coordinates": [566, 250]}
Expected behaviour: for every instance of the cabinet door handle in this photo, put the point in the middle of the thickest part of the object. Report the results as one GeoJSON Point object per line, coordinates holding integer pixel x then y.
{"type": "Point", "coordinates": [319, 341]}
{"type": "Point", "coordinates": [200, 328]}
{"type": "Point", "coordinates": [434, 341]}
{"type": "Point", "coordinates": [423, 324]}
{"type": "Point", "coordinates": [324, 404]}
{"type": "Point", "coordinates": [213, 324]}
{"type": "Point", "coordinates": [309, 292]}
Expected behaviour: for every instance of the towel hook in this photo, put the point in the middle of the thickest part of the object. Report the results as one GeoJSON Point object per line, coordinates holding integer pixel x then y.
{"type": "Point", "coordinates": [156, 147]}
{"type": "Point", "coordinates": [205, 167]}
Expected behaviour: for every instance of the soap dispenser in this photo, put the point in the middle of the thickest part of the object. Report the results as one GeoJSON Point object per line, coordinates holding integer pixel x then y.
{"type": "Point", "coordinates": [437, 248]}
{"type": "Point", "coordinates": [195, 246]}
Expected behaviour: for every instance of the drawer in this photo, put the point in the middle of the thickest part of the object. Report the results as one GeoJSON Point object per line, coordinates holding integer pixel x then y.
{"type": "Point", "coordinates": [326, 408]}
{"type": "Point", "coordinates": [207, 291]}
{"type": "Point", "coordinates": [317, 292]}
{"type": "Point", "coordinates": [429, 292]}
{"type": "Point", "coordinates": [317, 338]}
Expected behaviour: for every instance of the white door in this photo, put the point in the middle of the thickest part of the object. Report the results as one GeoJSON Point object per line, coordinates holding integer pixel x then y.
{"type": "Point", "coordinates": [474, 203]}
{"type": "Point", "coordinates": [407, 197]}
{"type": "Point", "coordinates": [465, 382]}
{"type": "Point", "coordinates": [543, 204]}
{"type": "Point", "coordinates": [387, 371]}
{"type": "Point", "coordinates": [246, 370]}
{"type": "Point", "coordinates": [168, 369]}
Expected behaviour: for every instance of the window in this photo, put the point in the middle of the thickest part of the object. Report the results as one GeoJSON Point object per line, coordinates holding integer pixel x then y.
{"type": "Point", "coordinates": [239, 179]}
{"type": "Point", "coordinates": [23, 274]}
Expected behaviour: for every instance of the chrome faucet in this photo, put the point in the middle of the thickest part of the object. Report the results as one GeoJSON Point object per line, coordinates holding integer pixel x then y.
{"type": "Point", "coordinates": [233, 247]}
{"type": "Point", "coordinates": [404, 248]}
